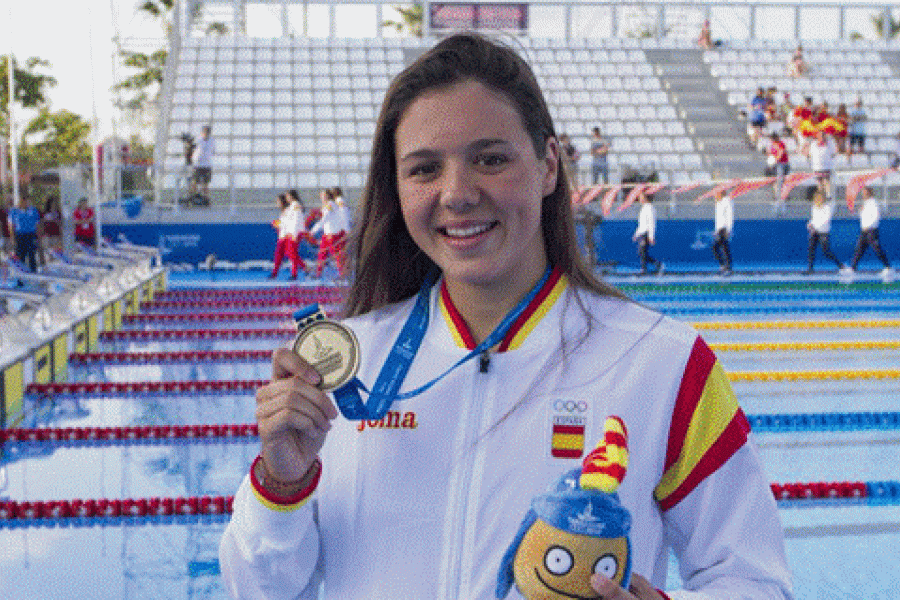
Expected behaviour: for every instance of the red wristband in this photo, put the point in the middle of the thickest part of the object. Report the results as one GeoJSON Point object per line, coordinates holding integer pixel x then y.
{"type": "Point", "coordinates": [663, 594]}
{"type": "Point", "coordinates": [282, 502]}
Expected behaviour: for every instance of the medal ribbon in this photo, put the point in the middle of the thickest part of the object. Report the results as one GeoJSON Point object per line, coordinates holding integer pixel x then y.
{"type": "Point", "coordinates": [398, 362]}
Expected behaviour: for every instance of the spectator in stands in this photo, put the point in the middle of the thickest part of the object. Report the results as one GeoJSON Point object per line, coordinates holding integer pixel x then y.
{"type": "Point", "coordinates": [857, 128]}
{"type": "Point", "coordinates": [52, 223]}
{"type": "Point", "coordinates": [202, 160]}
{"type": "Point", "coordinates": [798, 67]}
{"type": "Point", "coordinates": [820, 113]}
{"type": "Point", "coordinates": [571, 156]}
{"type": "Point", "coordinates": [289, 225]}
{"type": "Point", "coordinates": [778, 166]}
{"type": "Point", "coordinates": [25, 227]}
{"type": "Point", "coordinates": [869, 219]}
{"type": "Point", "coordinates": [801, 123]}
{"type": "Point", "coordinates": [895, 155]}
{"type": "Point", "coordinates": [837, 126]}
{"type": "Point", "coordinates": [785, 114]}
{"type": "Point", "coordinates": [600, 147]}
{"type": "Point", "coordinates": [84, 223]}
{"type": "Point", "coordinates": [756, 112]}
{"type": "Point", "coordinates": [821, 160]}
{"type": "Point", "coordinates": [704, 40]}
{"type": "Point", "coordinates": [645, 234]}
{"type": "Point", "coordinates": [724, 223]}
{"type": "Point", "coordinates": [819, 227]}
{"type": "Point", "coordinates": [771, 106]}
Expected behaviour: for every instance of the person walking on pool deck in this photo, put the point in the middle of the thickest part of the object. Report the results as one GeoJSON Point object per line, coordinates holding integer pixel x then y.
{"type": "Point", "coordinates": [290, 225]}
{"type": "Point", "coordinates": [724, 223]}
{"type": "Point", "coordinates": [819, 227]}
{"type": "Point", "coordinates": [645, 234]}
{"type": "Point", "coordinates": [869, 219]}
{"type": "Point", "coordinates": [466, 264]}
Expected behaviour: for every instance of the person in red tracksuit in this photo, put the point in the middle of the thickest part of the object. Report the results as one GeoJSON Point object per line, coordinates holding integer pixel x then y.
{"type": "Point", "coordinates": [288, 224]}
{"type": "Point", "coordinates": [333, 227]}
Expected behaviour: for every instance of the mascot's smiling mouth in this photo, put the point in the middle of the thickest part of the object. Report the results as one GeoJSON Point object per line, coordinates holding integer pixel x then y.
{"type": "Point", "coordinates": [562, 593]}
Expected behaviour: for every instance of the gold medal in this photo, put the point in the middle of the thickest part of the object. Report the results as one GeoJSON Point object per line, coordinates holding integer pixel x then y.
{"type": "Point", "coordinates": [330, 347]}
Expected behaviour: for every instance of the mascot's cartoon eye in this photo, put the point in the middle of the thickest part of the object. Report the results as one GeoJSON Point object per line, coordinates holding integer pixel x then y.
{"type": "Point", "coordinates": [558, 560]}
{"type": "Point", "coordinates": [606, 565]}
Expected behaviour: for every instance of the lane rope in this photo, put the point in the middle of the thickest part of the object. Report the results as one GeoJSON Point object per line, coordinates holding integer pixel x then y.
{"type": "Point", "coordinates": [799, 324]}
{"type": "Point", "coordinates": [187, 356]}
{"type": "Point", "coordinates": [804, 346]}
{"type": "Point", "coordinates": [105, 512]}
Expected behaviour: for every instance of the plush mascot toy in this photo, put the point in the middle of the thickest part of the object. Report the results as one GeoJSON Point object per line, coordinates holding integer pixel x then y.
{"type": "Point", "coordinates": [575, 530]}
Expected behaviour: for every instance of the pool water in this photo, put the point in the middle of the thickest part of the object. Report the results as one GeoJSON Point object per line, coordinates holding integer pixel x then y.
{"type": "Point", "coordinates": [839, 548]}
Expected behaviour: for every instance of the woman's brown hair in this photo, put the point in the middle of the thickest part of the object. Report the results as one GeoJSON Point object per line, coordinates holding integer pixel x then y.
{"type": "Point", "coordinates": [389, 266]}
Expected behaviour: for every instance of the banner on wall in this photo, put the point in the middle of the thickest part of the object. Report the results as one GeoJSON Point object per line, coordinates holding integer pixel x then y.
{"type": "Point", "coordinates": [455, 16]}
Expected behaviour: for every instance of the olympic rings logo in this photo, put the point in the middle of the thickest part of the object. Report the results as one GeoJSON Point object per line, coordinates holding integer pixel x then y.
{"type": "Point", "coordinates": [570, 406]}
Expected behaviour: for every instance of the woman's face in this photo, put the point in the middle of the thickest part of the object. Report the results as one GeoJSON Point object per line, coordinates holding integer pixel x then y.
{"type": "Point", "coordinates": [471, 186]}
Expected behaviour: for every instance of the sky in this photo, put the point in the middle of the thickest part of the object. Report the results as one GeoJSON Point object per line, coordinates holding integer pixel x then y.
{"type": "Point", "coordinates": [61, 32]}
{"type": "Point", "coordinates": [72, 35]}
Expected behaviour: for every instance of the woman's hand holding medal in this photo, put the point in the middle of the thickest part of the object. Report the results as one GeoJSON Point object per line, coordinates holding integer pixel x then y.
{"type": "Point", "coordinates": [294, 416]}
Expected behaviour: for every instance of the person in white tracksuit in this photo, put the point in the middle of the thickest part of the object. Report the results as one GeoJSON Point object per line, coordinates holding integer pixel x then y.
{"type": "Point", "coordinates": [645, 234]}
{"type": "Point", "coordinates": [724, 224]}
{"type": "Point", "coordinates": [333, 227]}
{"type": "Point", "coordinates": [466, 186]}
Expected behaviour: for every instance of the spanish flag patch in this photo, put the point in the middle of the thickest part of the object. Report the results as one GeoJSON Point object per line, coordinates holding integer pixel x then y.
{"type": "Point", "coordinates": [568, 437]}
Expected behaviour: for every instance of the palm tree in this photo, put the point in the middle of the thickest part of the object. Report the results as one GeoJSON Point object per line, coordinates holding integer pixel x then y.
{"type": "Point", "coordinates": [29, 83]}
{"type": "Point", "coordinates": [411, 19]}
{"type": "Point", "coordinates": [143, 86]}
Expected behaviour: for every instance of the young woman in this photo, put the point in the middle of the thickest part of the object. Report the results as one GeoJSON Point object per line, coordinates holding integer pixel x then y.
{"type": "Point", "coordinates": [52, 221]}
{"type": "Point", "coordinates": [819, 228]}
{"type": "Point", "coordinates": [83, 215]}
{"type": "Point", "coordinates": [289, 225]}
{"type": "Point", "coordinates": [645, 234]}
{"type": "Point", "coordinates": [724, 224]}
{"type": "Point", "coordinates": [466, 186]}
{"type": "Point", "coordinates": [333, 227]}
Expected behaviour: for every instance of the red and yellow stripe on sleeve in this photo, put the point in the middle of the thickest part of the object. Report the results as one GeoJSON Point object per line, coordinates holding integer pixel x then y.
{"type": "Point", "coordinates": [707, 427]}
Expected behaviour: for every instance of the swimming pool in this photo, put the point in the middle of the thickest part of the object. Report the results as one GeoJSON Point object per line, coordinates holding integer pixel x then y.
{"type": "Point", "coordinates": [814, 362]}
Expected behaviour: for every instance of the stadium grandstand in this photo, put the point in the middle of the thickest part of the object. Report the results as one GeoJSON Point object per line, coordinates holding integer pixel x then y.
{"type": "Point", "coordinates": [297, 108]}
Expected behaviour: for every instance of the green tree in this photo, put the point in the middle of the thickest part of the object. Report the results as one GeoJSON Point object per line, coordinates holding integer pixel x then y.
{"type": "Point", "coordinates": [55, 138]}
{"type": "Point", "coordinates": [142, 87]}
{"type": "Point", "coordinates": [30, 86]}
{"type": "Point", "coordinates": [411, 19]}
{"type": "Point", "coordinates": [879, 23]}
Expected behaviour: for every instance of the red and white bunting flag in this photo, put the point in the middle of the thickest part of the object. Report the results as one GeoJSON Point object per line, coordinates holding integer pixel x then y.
{"type": "Point", "coordinates": [750, 185]}
{"type": "Point", "coordinates": [610, 197]}
{"type": "Point", "coordinates": [792, 181]}
{"type": "Point", "coordinates": [590, 194]}
{"type": "Point", "coordinates": [722, 187]}
{"type": "Point", "coordinates": [647, 188]}
{"type": "Point", "coordinates": [633, 195]}
{"type": "Point", "coordinates": [858, 182]}
{"type": "Point", "coordinates": [687, 187]}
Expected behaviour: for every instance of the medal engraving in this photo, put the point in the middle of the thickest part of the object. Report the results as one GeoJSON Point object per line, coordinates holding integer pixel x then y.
{"type": "Point", "coordinates": [332, 350]}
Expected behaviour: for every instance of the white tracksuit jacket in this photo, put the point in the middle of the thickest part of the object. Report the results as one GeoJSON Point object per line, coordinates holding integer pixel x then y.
{"type": "Point", "coordinates": [422, 505]}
